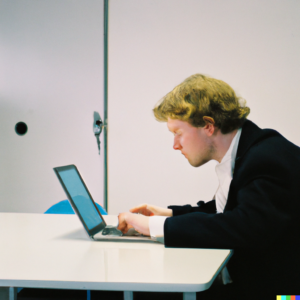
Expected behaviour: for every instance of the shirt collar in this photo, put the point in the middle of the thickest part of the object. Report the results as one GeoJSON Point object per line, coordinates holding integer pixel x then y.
{"type": "Point", "coordinates": [231, 152]}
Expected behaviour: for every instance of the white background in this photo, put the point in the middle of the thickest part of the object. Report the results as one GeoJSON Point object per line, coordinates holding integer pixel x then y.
{"type": "Point", "coordinates": [154, 45]}
{"type": "Point", "coordinates": [51, 78]}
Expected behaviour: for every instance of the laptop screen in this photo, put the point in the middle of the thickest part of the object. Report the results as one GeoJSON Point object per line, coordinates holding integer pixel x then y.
{"type": "Point", "coordinates": [80, 196]}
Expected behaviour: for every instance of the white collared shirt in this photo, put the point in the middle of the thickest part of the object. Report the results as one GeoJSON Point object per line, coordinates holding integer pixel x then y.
{"type": "Point", "coordinates": [224, 171]}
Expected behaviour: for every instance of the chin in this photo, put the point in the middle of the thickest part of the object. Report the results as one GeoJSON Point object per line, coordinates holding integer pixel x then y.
{"type": "Point", "coordinates": [194, 164]}
{"type": "Point", "coordinates": [197, 164]}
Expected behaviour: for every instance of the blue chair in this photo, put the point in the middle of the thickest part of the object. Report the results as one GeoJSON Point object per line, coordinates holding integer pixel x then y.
{"type": "Point", "coordinates": [64, 207]}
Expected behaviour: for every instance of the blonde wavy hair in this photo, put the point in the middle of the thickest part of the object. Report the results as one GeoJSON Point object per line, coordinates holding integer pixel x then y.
{"type": "Point", "coordinates": [201, 96]}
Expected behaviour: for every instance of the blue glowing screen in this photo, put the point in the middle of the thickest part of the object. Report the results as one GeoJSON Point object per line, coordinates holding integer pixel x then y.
{"type": "Point", "coordinates": [81, 198]}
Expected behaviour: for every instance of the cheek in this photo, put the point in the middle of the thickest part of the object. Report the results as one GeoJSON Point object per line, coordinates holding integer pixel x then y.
{"type": "Point", "coordinates": [186, 143]}
{"type": "Point", "coordinates": [192, 144]}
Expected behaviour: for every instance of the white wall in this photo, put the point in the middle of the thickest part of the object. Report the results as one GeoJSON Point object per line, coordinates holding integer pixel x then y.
{"type": "Point", "coordinates": [51, 77]}
{"type": "Point", "coordinates": [153, 46]}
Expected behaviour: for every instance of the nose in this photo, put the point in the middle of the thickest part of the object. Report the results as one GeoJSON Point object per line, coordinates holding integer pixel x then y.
{"type": "Point", "coordinates": [176, 145]}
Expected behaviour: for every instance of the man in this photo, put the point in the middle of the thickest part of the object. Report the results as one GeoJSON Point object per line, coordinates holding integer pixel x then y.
{"type": "Point", "coordinates": [254, 211]}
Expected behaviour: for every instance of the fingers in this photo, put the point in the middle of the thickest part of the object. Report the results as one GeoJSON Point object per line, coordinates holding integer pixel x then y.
{"type": "Point", "coordinates": [138, 209]}
{"type": "Point", "coordinates": [151, 210]}
{"type": "Point", "coordinates": [142, 209]}
{"type": "Point", "coordinates": [160, 211]}
{"type": "Point", "coordinates": [123, 225]}
{"type": "Point", "coordinates": [138, 222]}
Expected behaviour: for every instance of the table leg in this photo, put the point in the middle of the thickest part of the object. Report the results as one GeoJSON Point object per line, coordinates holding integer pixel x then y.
{"type": "Point", "coordinates": [8, 293]}
{"type": "Point", "coordinates": [189, 296]}
{"type": "Point", "coordinates": [12, 293]}
{"type": "Point", "coordinates": [128, 295]}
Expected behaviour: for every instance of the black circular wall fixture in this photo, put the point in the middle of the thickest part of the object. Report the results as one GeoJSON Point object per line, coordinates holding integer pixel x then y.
{"type": "Point", "coordinates": [21, 128]}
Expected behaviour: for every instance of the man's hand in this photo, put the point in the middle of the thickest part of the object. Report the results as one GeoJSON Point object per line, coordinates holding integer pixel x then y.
{"type": "Point", "coordinates": [128, 220]}
{"type": "Point", "coordinates": [151, 210]}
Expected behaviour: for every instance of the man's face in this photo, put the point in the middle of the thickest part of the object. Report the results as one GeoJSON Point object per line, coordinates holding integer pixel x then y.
{"type": "Point", "coordinates": [195, 143]}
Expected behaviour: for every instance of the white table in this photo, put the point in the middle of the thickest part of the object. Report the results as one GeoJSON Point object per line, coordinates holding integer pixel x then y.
{"type": "Point", "coordinates": [53, 251]}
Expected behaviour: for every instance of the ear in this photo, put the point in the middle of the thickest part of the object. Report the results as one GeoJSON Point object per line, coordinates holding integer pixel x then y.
{"type": "Point", "coordinates": [209, 125]}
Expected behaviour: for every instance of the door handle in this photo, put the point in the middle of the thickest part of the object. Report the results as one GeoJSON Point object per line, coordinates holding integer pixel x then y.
{"type": "Point", "coordinates": [97, 128]}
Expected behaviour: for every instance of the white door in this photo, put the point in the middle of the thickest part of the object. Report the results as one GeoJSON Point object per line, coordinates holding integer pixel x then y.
{"type": "Point", "coordinates": [51, 78]}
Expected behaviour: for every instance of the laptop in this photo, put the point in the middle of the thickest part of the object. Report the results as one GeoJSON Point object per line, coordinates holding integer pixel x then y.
{"type": "Point", "coordinates": [88, 212]}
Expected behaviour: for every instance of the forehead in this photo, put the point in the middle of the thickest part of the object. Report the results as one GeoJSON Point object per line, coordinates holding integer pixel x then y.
{"type": "Point", "coordinates": [175, 124]}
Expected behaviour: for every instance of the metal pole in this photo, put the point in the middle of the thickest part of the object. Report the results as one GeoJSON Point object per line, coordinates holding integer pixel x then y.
{"type": "Point", "coordinates": [105, 101]}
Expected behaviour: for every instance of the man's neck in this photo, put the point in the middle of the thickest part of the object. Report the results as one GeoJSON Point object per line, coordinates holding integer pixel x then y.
{"type": "Point", "coordinates": [222, 143]}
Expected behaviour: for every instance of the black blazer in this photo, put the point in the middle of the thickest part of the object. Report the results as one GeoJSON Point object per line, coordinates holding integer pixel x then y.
{"type": "Point", "coordinates": [260, 219]}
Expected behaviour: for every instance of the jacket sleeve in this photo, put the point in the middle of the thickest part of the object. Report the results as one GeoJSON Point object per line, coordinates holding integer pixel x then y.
{"type": "Point", "coordinates": [205, 207]}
